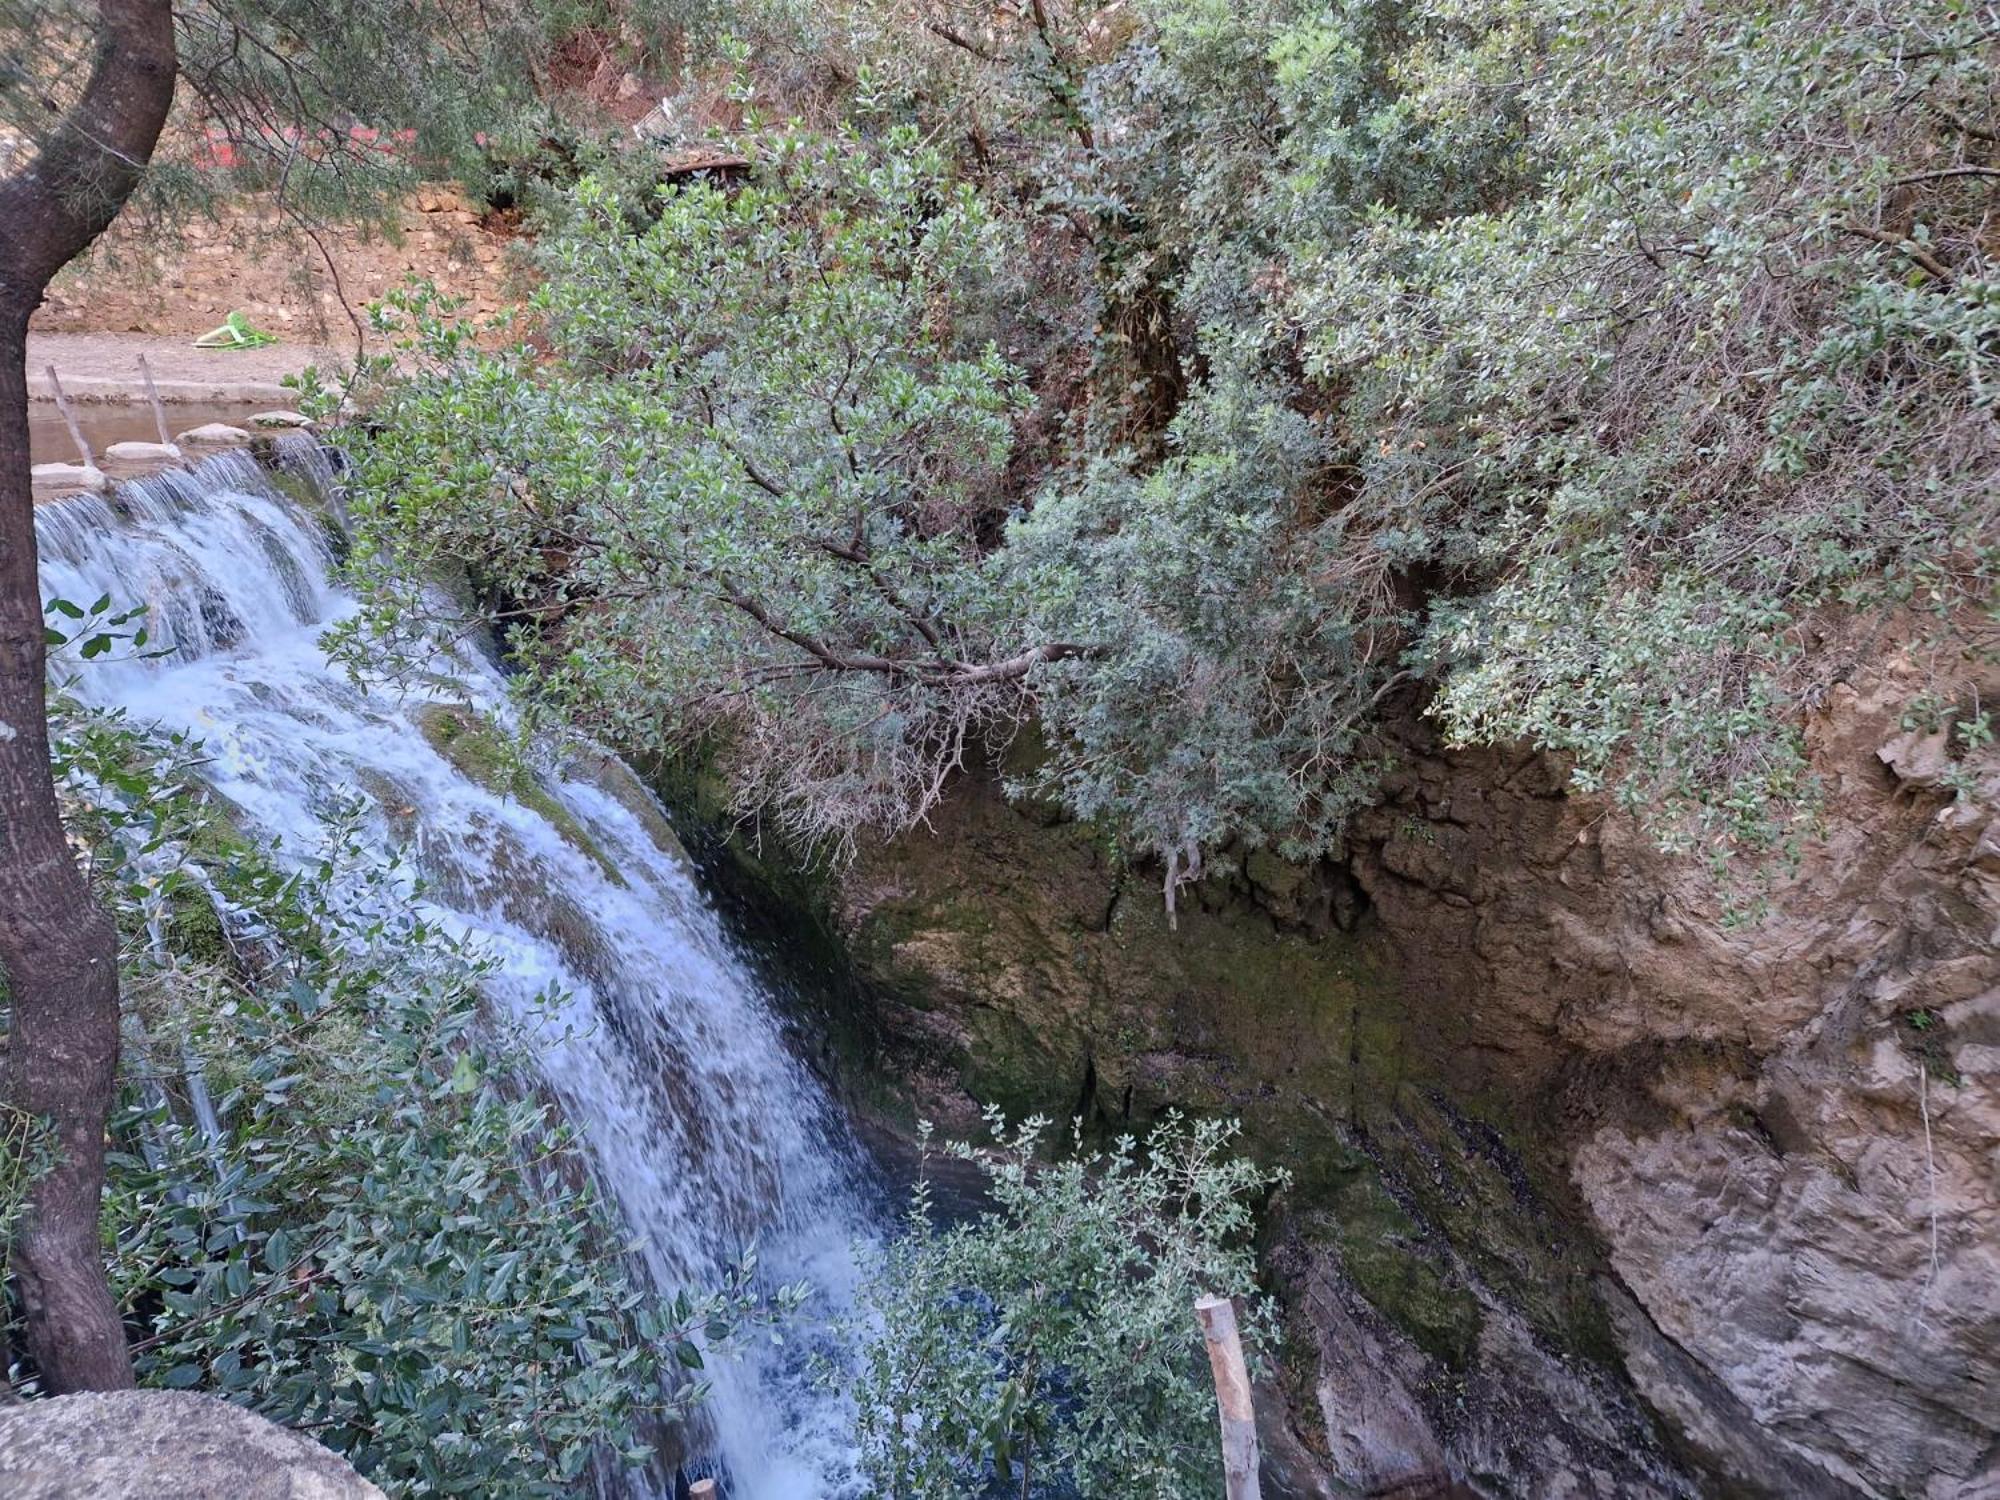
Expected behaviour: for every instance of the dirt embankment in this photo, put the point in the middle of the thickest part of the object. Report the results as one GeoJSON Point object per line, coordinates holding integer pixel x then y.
{"type": "Point", "coordinates": [305, 289]}
{"type": "Point", "coordinates": [146, 294]}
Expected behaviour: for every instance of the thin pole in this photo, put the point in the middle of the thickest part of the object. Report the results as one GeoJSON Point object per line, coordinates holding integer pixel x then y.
{"type": "Point", "coordinates": [159, 411]}
{"type": "Point", "coordinates": [69, 420]}
{"type": "Point", "coordinates": [1232, 1396]}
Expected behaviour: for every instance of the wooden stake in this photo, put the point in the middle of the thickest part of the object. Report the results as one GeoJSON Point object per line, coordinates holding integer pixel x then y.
{"type": "Point", "coordinates": [69, 420]}
{"type": "Point", "coordinates": [703, 1489]}
{"type": "Point", "coordinates": [1232, 1396]}
{"type": "Point", "coordinates": [159, 411]}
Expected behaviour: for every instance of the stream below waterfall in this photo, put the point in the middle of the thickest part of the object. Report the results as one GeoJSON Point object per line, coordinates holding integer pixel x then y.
{"type": "Point", "coordinates": [667, 1054]}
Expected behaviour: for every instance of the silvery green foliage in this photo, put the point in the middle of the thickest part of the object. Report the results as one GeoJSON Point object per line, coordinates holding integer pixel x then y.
{"type": "Point", "coordinates": [1593, 376]}
{"type": "Point", "coordinates": [740, 495]}
{"type": "Point", "coordinates": [1224, 704]}
{"type": "Point", "coordinates": [389, 1239]}
{"type": "Point", "coordinates": [1049, 1346]}
{"type": "Point", "coordinates": [1643, 335]}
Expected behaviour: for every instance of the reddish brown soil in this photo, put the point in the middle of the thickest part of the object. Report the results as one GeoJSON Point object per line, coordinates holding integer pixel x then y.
{"type": "Point", "coordinates": [250, 261]}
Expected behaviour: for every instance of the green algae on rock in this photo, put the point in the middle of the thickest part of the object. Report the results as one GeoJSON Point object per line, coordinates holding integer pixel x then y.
{"type": "Point", "coordinates": [485, 755]}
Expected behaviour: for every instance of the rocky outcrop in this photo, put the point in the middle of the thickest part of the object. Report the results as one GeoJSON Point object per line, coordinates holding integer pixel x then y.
{"type": "Point", "coordinates": [1783, 1121]}
{"type": "Point", "coordinates": [1442, 1317]}
{"type": "Point", "coordinates": [141, 1445]}
{"type": "Point", "coordinates": [1573, 1122]}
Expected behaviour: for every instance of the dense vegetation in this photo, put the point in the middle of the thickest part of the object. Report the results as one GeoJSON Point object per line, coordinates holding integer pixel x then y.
{"type": "Point", "coordinates": [337, 1194]}
{"type": "Point", "coordinates": [1201, 381]}
{"type": "Point", "coordinates": [1043, 1345]}
{"type": "Point", "coordinates": [1207, 388]}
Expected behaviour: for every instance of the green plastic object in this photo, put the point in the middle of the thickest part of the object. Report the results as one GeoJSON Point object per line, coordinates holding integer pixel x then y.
{"type": "Point", "coordinates": [236, 332]}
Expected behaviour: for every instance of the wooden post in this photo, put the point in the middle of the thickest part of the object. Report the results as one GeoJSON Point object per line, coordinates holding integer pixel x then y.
{"type": "Point", "coordinates": [703, 1489]}
{"type": "Point", "coordinates": [69, 420]}
{"type": "Point", "coordinates": [159, 411]}
{"type": "Point", "coordinates": [1232, 1396]}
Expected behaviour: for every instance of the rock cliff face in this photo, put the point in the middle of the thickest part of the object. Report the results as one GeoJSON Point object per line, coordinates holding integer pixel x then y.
{"type": "Point", "coordinates": [1602, 1188]}
{"type": "Point", "coordinates": [1785, 1130]}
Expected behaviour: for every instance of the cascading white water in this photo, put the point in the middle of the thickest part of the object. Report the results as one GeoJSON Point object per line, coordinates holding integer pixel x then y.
{"type": "Point", "coordinates": [668, 1058]}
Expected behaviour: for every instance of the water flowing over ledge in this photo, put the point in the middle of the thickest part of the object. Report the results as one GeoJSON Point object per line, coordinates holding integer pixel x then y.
{"type": "Point", "coordinates": [665, 1052]}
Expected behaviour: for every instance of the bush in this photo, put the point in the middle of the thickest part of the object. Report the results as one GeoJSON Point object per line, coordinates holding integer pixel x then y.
{"type": "Point", "coordinates": [1570, 372]}
{"type": "Point", "coordinates": [1049, 1345]}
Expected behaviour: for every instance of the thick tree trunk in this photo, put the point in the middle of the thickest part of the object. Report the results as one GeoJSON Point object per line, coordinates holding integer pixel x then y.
{"type": "Point", "coordinates": [58, 950]}
{"type": "Point", "coordinates": [60, 956]}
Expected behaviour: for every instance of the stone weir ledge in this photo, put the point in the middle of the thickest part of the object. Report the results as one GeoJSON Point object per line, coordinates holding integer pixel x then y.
{"type": "Point", "coordinates": [97, 373]}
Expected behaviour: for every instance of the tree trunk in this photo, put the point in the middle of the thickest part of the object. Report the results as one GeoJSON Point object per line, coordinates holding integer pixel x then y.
{"type": "Point", "coordinates": [60, 956]}
{"type": "Point", "coordinates": [58, 949]}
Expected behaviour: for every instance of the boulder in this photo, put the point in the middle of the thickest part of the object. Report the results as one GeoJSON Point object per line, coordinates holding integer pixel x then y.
{"type": "Point", "coordinates": [213, 435]}
{"type": "Point", "coordinates": [129, 456]}
{"type": "Point", "coordinates": [141, 1445]}
{"type": "Point", "coordinates": [1918, 758]}
{"type": "Point", "coordinates": [279, 419]}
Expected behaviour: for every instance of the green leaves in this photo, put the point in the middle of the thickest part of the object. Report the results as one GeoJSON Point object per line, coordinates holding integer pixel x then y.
{"type": "Point", "coordinates": [386, 1235]}
{"type": "Point", "coordinates": [1050, 1342]}
{"type": "Point", "coordinates": [1620, 372]}
{"type": "Point", "coordinates": [740, 497]}
{"type": "Point", "coordinates": [1553, 366]}
{"type": "Point", "coordinates": [102, 631]}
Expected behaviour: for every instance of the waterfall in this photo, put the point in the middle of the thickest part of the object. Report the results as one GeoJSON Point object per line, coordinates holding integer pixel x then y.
{"type": "Point", "coordinates": [667, 1056]}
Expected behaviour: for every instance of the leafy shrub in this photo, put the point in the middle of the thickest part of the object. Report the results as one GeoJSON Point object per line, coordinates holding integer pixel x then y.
{"type": "Point", "coordinates": [1570, 372]}
{"type": "Point", "coordinates": [1049, 1344]}
{"type": "Point", "coordinates": [335, 1195]}
{"type": "Point", "coordinates": [741, 494]}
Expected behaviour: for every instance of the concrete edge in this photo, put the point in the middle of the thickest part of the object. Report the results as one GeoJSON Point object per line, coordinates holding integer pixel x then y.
{"type": "Point", "coordinates": [103, 390]}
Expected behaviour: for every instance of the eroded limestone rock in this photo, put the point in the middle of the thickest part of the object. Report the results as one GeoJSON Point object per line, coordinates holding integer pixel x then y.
{"type": "Point", "coordinates": [1786, 1127]}
{"type": "Point", "coordinates": [212, 435]}
{"type": "Point", "coordinates": [142, 1445]}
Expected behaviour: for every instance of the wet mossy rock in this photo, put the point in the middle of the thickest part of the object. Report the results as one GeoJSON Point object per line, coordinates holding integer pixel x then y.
{"type": "Point", "coordinates": [1015, 963]}
{"type": "Point", "coordinates": [194, 928]}
{"type": "Point", "coordinates": [1051, 981]}
{"type": "Point", "coordinates": [1582, 1157]}
{"type": "Point", "coordinates": [622, 785]}
{"type": "Point", "coordinates": [482, 753]}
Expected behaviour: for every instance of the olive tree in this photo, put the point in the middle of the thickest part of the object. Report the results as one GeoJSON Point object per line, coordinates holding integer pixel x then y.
{"type": "Point", "coordinates": [737, 488]}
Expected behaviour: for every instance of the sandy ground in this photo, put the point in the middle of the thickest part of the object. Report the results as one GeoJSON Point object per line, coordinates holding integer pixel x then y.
{"type": "Point", "coordinates": [144, 293]}
{"type": "Point", "coordinates": [96, 367]}
{"type": "Point", "coordinates": [141, 293]}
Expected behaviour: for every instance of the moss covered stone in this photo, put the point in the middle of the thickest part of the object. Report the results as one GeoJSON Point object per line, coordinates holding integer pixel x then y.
{"type": "Point", "coordinates": [617, 781]}
{"type": "Point", "coordinates": [1010, 960]}
{"type": "Point", "coordinates": [483, 754]}
{"type": "Point", "coordinates": [193, 927]}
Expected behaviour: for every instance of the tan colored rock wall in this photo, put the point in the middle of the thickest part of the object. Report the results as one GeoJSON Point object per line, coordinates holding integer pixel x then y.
{"type": "Point", "coordinates": [1568, 1122]}
{"type": "Point", "coordinates": [1786, 1130]}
